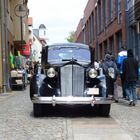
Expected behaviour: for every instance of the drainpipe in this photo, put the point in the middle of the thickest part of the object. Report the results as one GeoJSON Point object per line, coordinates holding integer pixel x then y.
{"type": "Point", "coordinates": [7, 68]}
{"type": "Point", "coordinates": [1, 87]}
{"type": "Point", "coordinates": [2, 45]}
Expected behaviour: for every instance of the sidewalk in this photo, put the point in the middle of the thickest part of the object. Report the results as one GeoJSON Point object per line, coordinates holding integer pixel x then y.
{"type": "Point", "coordinates": [120, 88]}
{"type": "Point", "coordinates": [7, 95]}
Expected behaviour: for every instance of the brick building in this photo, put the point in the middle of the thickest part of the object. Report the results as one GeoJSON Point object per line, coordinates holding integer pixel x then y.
{"type": "Point", "coordinates": [104, 26]}
{"type": "Point", "coordinates": [132, 13]}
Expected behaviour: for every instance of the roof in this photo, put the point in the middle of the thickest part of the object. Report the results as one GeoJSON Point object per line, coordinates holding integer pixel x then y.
{"type": "Point", "coordinates": [70, 44]}
{"type": "Point", "coordinates": [42, 26]}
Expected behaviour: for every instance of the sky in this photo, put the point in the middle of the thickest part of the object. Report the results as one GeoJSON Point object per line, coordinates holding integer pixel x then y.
{"type": "Point", "coordinates": [59, 16]}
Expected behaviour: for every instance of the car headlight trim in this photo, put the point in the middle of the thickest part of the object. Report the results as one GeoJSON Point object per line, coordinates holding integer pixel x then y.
{"type": "Point", "coordinates": [92, 73]}
{"type": "Point", "coordinates": [51, 72]}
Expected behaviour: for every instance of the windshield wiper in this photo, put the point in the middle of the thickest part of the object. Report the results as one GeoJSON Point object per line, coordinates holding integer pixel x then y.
{"type": "Point", "coordinates": [73, 60]}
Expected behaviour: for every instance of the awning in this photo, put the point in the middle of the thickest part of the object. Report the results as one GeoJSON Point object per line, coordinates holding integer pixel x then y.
{"type": "Point", "coordinates": [26, 49]}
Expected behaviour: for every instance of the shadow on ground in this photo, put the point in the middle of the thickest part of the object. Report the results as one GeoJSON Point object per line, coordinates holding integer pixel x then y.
{"type": "Point", "coordinates": [70, 111]}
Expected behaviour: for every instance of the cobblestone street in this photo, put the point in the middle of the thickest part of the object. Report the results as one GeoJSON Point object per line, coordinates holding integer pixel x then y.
{"type": "Point", "coordinates": [69, 70]}
{"type": "Point", "coordinates": [18, 123]}
{"type": "Point", "coordinates": [128, 117]}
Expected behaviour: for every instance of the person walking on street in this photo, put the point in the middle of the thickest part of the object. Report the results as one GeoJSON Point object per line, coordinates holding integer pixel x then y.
{"type": "Point", "coordinates": [130, 70]}
{"type": "Point", "coordinates": [120, 58]}
{"type": "Point", "coordinates": [96, 64]}
{"type": "Point", "coordinates": [115, 83]}
{"type": "Point", "coordinates": [110, 70]}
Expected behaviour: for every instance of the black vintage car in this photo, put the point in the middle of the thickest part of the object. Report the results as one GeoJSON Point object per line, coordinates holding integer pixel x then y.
{"type": "Point", "coordinates": [67, 77]}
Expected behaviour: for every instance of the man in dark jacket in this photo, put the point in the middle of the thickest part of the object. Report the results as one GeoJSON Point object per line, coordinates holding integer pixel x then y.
{"type": "Point", "coordinates": [130, 70]}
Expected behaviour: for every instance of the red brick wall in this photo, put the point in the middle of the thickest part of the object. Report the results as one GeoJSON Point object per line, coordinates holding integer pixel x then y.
{"type": "Point", "coordinates": [79, 29]}
{"type": "Point", "coordinates": [88, 10]}
{"type": "Point", "coordinates": [111, 29]}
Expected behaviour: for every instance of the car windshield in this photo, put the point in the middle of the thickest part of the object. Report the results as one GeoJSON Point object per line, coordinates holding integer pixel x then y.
{"type": "Point", "coordinates": [61, 54]}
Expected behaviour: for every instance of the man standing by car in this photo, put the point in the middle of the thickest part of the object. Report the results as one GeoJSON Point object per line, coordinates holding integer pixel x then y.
{"type": "Point", "coordinates": [130, 70]}
{"type": "Point", "coordinates": [110, 70]}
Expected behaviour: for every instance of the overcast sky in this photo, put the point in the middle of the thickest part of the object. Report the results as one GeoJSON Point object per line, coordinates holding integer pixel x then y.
{"type": "Point", "coordinates": [59, 16]}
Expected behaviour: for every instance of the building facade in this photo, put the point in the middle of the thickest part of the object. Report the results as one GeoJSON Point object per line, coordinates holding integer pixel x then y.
{"type": "Point", "coordinates": [133, 26]}
{"type": "Point", "coordinates": [38, 39]}
{"type": "Point", "coordinates": [10, 31]}
{"type": "Point", "coordinates": [40, 33]}
{"type": "Point", "coordinates": [105, 26]}
{"type": "Point", "coordinates": [21, 31]}
{"type": "Point", "coordinates": [4, 39]}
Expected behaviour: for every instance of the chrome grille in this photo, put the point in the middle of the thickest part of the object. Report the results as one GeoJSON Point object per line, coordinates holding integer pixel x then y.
{"type": "Point", "coordinates": [72, 80]}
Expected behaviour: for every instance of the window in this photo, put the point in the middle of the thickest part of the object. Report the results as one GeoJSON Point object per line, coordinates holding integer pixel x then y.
{"type": "Point", "coordinates": [100, 16]}
{"type": "Point", "coordinates": [44, 33]}
{"type": "Point", "coordinates": [118, 7]}
{"type": "Point", "coordinates": [129, 4]}
{"type": "Point", "coordinates": [92, 27]}
{"type": "Point", "coordinates": [111, 44]}
{"type": "Point", "coordinates": [136, 36]}
{"type": "Point", "coordinates": [110, 10]}
{"type": "Point", "coordinates": [119, 40]}
{"type": "Point", "coordinates": [96, 21]}
{"type": "Point", "coordinates": [90, 30]}
{"type": "Point", "coordinates": [105, 47]}
{"type": "Point", "coordinates": [104, 12]}
{"type": "Point", "coordinates": [83, 31]}
{"type": "Point", "coordinates": [84, 36]}
{"type": "Point", "coordinates": [100, 52]}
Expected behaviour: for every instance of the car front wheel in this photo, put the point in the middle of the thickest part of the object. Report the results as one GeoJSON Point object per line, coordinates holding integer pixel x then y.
{"type": "Point", "coordinates": [104, 110]}
{"type": "Point", "coordinates": [37, 110]}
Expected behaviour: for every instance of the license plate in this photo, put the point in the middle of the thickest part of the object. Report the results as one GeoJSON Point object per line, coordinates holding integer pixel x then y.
{"type": "Point", "coordinates": [93, 91]}
{"type": "Point", "coordinates": [19, 75]}
{"type": "Point", "coordinates": [19, 82]}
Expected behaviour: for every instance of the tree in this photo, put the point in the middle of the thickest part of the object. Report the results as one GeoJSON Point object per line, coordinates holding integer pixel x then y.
{"type": "Point", "coordinates": [71, 37]}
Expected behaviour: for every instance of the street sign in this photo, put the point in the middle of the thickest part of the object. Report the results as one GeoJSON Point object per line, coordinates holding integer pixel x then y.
{"type": "Point", "coordinates": [21, 10]}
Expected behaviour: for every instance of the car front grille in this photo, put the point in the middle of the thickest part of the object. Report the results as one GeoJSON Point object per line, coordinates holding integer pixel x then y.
{"type": "Point", "coordinates": [72, 80]}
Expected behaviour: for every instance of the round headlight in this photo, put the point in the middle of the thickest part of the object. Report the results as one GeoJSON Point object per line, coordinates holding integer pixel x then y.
{"type": "Point", "coordinates": [92, 73]}
{"type": "Point", "coordinates": [51, 72]}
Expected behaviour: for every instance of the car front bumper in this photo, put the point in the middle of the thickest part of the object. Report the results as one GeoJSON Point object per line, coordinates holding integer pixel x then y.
{"type": "Point", "coordinates": [70, 100]}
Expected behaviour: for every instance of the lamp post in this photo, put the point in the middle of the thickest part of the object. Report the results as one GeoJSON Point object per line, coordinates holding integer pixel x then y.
{"type": "Point", "coordinates": [21, 11]}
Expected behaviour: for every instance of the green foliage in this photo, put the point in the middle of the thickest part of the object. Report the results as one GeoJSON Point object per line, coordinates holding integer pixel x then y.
{"type": "Point", "coordinates": [71, 37]}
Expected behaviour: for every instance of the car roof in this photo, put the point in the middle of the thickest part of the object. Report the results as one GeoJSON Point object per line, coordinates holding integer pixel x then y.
{"type": "Point", "coordinates": [69, 45]}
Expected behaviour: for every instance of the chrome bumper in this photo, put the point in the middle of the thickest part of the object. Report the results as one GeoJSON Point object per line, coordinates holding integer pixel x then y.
{"type": "Point", "coordinates": [71, 100]}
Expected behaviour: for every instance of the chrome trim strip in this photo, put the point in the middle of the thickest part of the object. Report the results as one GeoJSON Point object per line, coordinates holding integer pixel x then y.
{"type": "Point", "coordinates": [71, 100]}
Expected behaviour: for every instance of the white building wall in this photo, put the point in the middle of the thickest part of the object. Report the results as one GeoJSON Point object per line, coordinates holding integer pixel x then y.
{"type": "Point", "coordinates": [36, 49]}
{"type": "Point", "coordinates": [42, 33]}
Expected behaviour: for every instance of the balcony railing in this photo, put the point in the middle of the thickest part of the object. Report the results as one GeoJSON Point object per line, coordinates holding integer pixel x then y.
{"type": "Point", "coordinates": [137, 9]}
{"type": "Point", "coordinates": [134, 13]}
